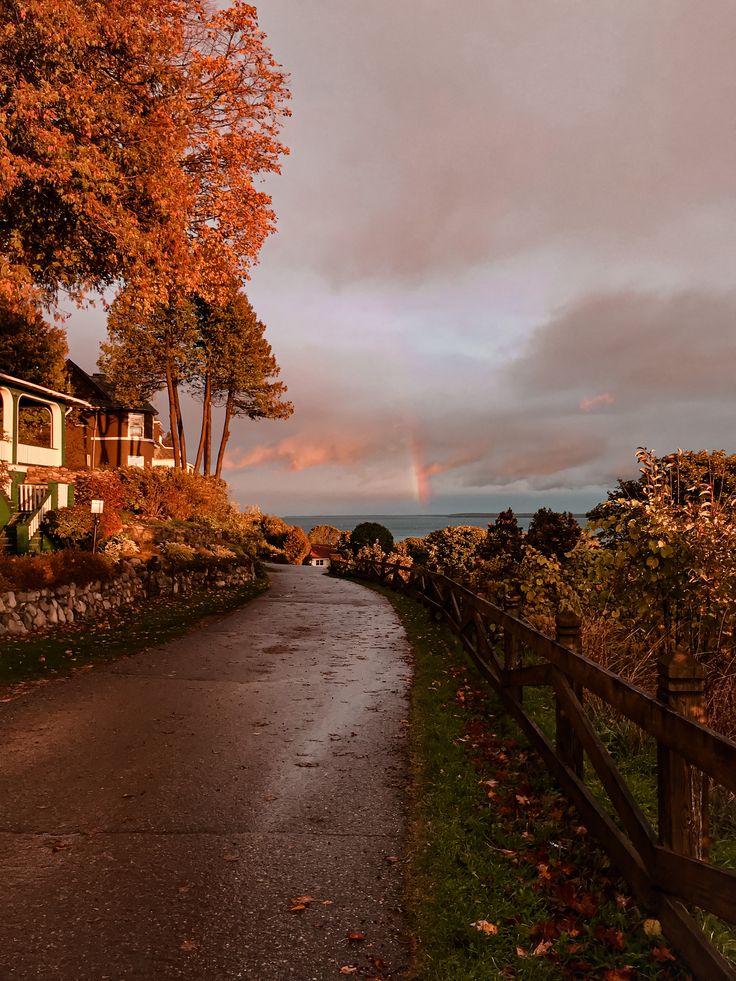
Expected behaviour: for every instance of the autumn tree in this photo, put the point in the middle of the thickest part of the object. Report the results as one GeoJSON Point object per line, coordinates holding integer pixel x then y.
{"type": "Point", "coordinates": [234, 366]}
{"type": "Point", "coordinates": [30, 348]}
{"type": "Point", "coordinates": [324, 535]}
{"type": "Point", "coordinates": [132, 134]}
{"type": "Point", "coordinates": [297, 546]}
{"type": "Point", "coordinates": [150, 348]}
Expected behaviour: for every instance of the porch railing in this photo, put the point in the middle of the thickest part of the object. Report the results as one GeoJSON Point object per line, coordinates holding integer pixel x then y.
{"type": "Point", "coordinates": [30, 496]}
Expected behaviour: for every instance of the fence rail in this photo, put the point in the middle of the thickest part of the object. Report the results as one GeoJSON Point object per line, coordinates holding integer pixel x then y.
{"type": "Point", "coordinates": [666, 867]}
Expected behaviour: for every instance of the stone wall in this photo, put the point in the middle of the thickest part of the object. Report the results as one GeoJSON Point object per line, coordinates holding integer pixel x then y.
{"type": "Point", "coordinates": [34, 610]}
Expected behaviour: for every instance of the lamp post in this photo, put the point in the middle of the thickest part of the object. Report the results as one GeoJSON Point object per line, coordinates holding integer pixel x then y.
{"type": "Point", "coordinates": [96, 506]}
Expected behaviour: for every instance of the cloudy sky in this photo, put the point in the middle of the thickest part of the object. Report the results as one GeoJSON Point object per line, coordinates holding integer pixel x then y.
{"type": "Point", "coordinates": [506, 252]}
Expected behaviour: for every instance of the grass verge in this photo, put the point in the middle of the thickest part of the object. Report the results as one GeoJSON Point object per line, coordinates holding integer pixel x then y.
{"type": "Point", "coordinates": [503, 880]}
{"type": "Point", "coordinates": [121, 632]}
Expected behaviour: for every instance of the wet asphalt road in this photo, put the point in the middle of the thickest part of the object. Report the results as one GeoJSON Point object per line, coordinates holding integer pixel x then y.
{"type": "Point", "coordinates": [158, 814]}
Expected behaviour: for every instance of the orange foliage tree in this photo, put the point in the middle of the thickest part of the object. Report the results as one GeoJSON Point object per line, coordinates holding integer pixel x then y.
{"type": "Point", "coordinates": [131, 135]}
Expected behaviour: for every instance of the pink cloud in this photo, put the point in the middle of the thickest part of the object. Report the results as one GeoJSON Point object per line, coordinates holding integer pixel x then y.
{"type": "Point", "coordinates": [294, 453]}
{"type": "Point", "coordinates": [605, 398]}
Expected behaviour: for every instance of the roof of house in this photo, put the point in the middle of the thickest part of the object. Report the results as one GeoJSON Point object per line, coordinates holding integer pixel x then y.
{"type": "Point", "coordinates": [163, 452]}
{"type": "Point", "coordinates": [51, 393]}
{"type": "Point", "coordinates": [323, 552]}
{"type": "Point", "coordinates": [99, 390]}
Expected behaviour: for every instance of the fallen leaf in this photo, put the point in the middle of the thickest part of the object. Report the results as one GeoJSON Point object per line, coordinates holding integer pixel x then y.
{"type": "Point", "coordinates": [185, 887]}
{"type": "Point", "coordinates": [356, 936]}
{"type": "Point", "coordinates": [541, 949]}
{"type": "Point", "coordinates": [348, 969]}
{"type": "Point", "coordinates": [619, 974]}
{"type": "Point", "coordinates": [484, 926]}
{"type": "Point", "coordinates": [614, 938]}
{"type": "Point", "coordinates": [652, 928]}
{"type": "Point", "coordinates": [520, 952]}
{"type": "Point", "coordinates": [231, 857]}
{"type": "Point", "coordinates": [662, 953]}
{"type": "Point", "coordinates": [188, 946]}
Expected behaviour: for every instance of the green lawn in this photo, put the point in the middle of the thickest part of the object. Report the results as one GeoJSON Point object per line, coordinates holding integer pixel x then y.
{"type": "Point", "coordinates": [120, 633]}
{"type": "Point", "coordinates": [504, 882]}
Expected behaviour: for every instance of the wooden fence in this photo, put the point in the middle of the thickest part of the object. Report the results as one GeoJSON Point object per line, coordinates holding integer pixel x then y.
{"type": "Point", "coordinates": [666, 867]}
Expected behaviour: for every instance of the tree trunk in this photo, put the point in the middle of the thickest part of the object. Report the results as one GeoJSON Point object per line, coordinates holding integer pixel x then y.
{"type": "Point", "coordinates": [208, 441]}
{"type": "Point", "coordinates": [179, 425]}
{"type": "Point", "coordinates": [206, 422]}
{"type": "Point", "coordinates": [170, 388]}
{"type": "Point", "coordinates": [225, 433]}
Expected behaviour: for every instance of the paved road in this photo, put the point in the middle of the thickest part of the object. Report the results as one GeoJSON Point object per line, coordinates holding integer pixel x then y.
{"type": "Point", "coordinates": [158, 814]}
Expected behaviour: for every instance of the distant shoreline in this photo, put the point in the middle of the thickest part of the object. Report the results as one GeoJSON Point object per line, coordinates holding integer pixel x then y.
{"type": "Point", "coordinates": [410, 525]}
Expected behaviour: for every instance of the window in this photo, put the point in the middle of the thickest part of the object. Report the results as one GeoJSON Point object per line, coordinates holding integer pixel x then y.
{"type": "Point", "coordinates": [135, 426]}
{"type": "Point", "coordinates": [136, 461]}
{"type": "Point", "coordinates": [34, 423]}
{"type": "Point", "coordinates": [319, 562]}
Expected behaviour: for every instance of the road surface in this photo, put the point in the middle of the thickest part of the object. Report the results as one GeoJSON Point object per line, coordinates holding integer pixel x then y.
{"type": "Point", "coordinates": [159, 814]}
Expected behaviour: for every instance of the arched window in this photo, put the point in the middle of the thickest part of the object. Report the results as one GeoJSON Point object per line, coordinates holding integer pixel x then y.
{"type": "Point", "coordinates": [34, 423]}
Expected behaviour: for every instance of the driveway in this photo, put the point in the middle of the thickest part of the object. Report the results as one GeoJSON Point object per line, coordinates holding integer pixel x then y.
{"type": "Point", "coordinates": [159, 815]}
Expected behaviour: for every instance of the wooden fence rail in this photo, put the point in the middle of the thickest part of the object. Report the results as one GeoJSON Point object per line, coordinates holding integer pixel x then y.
{"type": "Point", "coordinates": [666, 867]}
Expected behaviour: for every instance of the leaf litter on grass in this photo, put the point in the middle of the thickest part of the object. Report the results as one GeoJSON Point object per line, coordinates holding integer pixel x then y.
{"type": "Point", "coordinates": [496, 842]}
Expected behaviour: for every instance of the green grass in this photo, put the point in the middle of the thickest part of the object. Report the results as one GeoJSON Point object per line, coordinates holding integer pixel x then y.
{"type": "Point", "coordinates": [119, 633]}
{"type": "Point", "coordinates": [518, 859]}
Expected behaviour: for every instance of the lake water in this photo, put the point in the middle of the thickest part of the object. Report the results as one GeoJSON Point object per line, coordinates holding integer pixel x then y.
{"type": "Point", "coordinates": [405, 525]}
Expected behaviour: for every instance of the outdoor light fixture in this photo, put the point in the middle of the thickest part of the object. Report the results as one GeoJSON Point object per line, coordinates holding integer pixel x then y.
{"type": "Point", "coordinates": [96, 506]}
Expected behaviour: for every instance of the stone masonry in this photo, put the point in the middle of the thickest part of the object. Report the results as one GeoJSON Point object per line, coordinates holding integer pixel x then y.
{"type": "Point", "coordinates": [35, 610]}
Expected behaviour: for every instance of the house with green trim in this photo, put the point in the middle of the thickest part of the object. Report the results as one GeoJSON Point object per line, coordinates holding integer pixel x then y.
{"type": "Point", "coordinates": [32, 435]}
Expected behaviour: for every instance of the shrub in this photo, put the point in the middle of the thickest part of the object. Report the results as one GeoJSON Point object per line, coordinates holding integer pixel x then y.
{"type": "Point", "coordinates": [414, 549]}
{"type": "Point", "coordinates": [102, 485]}
{"type": "Point", "coordinates": [56, 569]}
{"type": "Point", "coordinates": [504, 538]}
{"type": "Point", "coordinates": [120, 546]}
{"type": "Point", "coordinates": [368, 533]}
{"type": "Point", "coordinates": [324, 535]}
{"type": "Point", "coordinates": [74, 527]}
{"type": "Point", "coordinates": [297, 546]}
{"type": "Point", "coordinates": [275, 530]}
{"type": "Point", "coordinates": [553, 533]}
{"type": "Point", "coordinates": [454, 550]}
{"type": "Point", "coordinates": [179, 553]}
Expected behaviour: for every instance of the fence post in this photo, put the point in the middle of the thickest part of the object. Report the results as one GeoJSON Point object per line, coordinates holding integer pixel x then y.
{"type": "Point", "coordinates": [511, 648]}
{"type": "Point", "coordinates": [569, 747]}
{"type": "Point", "coordinates": [682, 789]}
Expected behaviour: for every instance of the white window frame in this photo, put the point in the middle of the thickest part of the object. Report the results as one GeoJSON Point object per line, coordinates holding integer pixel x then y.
{"type": "Point", "coordinates": [136, 421]}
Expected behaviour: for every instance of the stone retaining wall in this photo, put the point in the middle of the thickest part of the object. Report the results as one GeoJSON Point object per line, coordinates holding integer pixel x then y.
{"type": "Point", "coordinates": [29, 611]}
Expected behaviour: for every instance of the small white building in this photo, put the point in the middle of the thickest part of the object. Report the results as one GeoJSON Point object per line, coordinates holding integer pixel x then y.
{"type": "Point", "coordinates": [321, 555]}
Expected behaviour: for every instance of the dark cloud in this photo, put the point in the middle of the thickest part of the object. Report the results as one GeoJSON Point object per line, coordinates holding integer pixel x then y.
{"type": "Point", "coordinates": [428, 138]}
